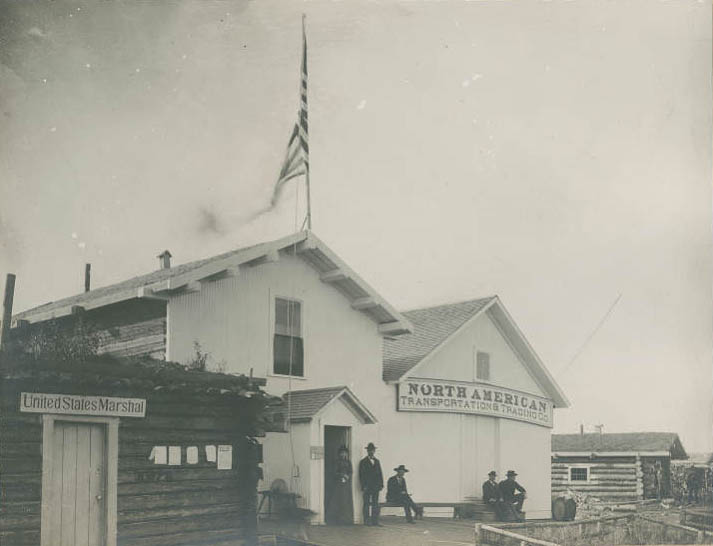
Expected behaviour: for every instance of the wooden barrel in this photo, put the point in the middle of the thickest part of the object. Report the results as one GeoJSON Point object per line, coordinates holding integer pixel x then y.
{"type": "Point", "coordinates": [559, 509]}
{"type": "Point", "coordinates": [570, 509]}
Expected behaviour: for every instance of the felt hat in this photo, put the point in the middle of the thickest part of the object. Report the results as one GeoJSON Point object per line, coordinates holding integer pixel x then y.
{"type": "Point", "coordinates": [370, 446]}
{"type": "Point", "coordinates": [511, 473]}
{"type": "Point", "coordinates": [492, 473]}
{"type": "Point", "coordinates": [401, 467]}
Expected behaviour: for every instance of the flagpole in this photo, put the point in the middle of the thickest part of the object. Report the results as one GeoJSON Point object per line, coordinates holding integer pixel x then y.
{"type": "Point", "coordinates": [304, 75]}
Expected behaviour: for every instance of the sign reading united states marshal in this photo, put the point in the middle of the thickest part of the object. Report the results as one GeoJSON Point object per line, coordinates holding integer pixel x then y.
{"type": "Point", "coordinates": [72, 404]}
{"type": "Point", "coordinates": [472, 398]}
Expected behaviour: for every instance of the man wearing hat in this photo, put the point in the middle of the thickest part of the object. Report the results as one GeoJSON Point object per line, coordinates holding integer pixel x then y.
{"type": "Point", "coordinates": [491, 491]}
{"type": "Point", "coordinates": [397, 493]}
{"type": "Point", "coordinates": [372, 481]}
{"type": "Point", "coordinates": [511, 499]}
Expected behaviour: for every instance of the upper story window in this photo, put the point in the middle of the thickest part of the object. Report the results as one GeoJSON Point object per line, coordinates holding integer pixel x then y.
{"type": "Point", "coordinates": [578, 474]}
{"type": "Point", "coordinates": [482, 366]}
{"type": "Point", "coordinates": [288, 351]}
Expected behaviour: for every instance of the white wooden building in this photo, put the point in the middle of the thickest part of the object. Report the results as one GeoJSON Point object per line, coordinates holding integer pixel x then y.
{"type": "Point", "coordinates": [452, 391]}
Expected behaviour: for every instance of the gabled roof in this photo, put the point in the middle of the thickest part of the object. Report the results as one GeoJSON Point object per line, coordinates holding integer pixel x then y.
{"type": "Point", "coordinates": [163, 283]}
{"type": "Point", "coordinates": [629, 442]}
{"type": "Point", "coordinates": [304, 405]}
{"type": "Point", "coordinates": [433, 327]}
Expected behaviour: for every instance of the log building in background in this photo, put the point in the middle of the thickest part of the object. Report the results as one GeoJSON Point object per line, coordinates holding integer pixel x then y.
{"type": "Point", "coordinates": [615, 467]}
{"type": "Point", "coordinates": [185, 470]}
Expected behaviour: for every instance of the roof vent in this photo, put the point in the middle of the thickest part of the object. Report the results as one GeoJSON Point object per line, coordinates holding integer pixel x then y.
{"type": "Point", "coordinates": [164, 260]}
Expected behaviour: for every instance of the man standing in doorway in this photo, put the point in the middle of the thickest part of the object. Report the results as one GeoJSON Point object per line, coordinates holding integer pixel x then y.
{"type": "Point", "coordinates": [372, 481]}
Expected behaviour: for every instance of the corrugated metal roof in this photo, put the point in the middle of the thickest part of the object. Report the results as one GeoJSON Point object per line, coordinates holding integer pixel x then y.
{"type": "Point", "coordinates": [612, 442]}
{"type": "Point", "coordinates": [432, 326]}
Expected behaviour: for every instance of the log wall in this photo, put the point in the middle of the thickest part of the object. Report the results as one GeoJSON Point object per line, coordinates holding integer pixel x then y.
{"type": "Point", "coordinates": [157, 504]}
{"type": "Point", "coordinates": [610, 478]}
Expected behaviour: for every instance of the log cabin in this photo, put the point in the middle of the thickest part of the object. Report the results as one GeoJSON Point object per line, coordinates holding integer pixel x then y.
{"type": "Point", "coordinates": [132, 452]}
{"type": "Point", "coordinates": [615, 466]}
{"type": "Point", "coordinates": [454, 386]}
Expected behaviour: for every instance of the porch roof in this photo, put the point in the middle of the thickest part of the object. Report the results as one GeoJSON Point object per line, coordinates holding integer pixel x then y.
{"type": "Point", "coordinates": [304, 405]}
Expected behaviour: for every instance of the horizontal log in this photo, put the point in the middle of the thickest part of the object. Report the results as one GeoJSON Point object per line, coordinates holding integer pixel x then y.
{"type": "Point", "coordinates": [22, 465]}
{"type": "Point", "coordinates": [24, 478]}
{"type": "Point", "coordinates": [26, 537]}
{"type": "Point", "coordinates": [118, 344]}
{"type": "Point", "coordinates": [13, 522]}
{"type": "Point", "coordinates": [230, 511]}
{"type": "Point", "coordinates": [11, 448]}
{"type": "Point", "coordinates": [142, 463]}
{"type": "Point", "coordinates": [179, 525]}
{"type": "Point", "coordinates": [20, 507]}
{"type": "Point", "coordinates": [178, 487]}
{"type": "Point", "coordinates": [185, 423]}
{"type": "Point", "coordinates": [176, 474]}
{"type": "Point", "coordinates": [173, 499]}
{"type": "Point", "coordinates": [163, 436]}
{"type": "Point", "coordinates": [232, 536]}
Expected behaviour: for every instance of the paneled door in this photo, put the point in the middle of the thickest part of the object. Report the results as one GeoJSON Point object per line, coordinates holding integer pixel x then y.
{"type": "Point", "coordinates": [78, 466]}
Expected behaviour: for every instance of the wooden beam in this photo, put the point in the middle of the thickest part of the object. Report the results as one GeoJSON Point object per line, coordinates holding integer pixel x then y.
{"type": "Point", "coordinates": [150, 294]}
{"type": "Point", "coordinates": [270, 256]}
{"type": "Point", "coordinates": [307, 245]}
{"type": "Point", "coordinates": [364, 303]}
{"type": "Point", "coordinates": [396, 327]}
{"type": "Point", "coordinates": [77, 309]}
{"type": "Point", "coordinates": [333, 276]}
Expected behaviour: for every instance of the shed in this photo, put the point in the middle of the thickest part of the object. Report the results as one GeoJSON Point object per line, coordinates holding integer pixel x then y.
{"type": "Point", "coordinates": [131, 452]}
{"type": "Point", "coordinates": [615, 466]}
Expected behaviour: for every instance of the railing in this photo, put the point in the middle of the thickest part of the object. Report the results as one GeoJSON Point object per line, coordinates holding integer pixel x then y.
{"type": "Point", "coordinates": [482, 532]}
{"type": "Point", "coordinates": [700, 536]}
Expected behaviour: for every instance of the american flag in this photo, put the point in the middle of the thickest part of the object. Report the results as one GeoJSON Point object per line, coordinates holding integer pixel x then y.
{"type": "Point", "coordinates": [297, 158]}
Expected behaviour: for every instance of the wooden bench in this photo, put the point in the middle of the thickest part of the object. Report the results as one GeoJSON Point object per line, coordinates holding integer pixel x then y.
{"type": "Point", "coordinates": [460, 509]}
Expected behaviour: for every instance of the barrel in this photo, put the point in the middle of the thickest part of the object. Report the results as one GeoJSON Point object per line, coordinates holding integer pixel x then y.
{"type": "Point", "coordinates": [570, 509]}
{"type": "Point", "coordinates": [559, 509]}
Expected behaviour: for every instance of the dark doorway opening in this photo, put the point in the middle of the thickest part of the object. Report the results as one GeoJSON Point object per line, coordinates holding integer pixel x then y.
{"type": "Point", "coordinates": [338, 505]}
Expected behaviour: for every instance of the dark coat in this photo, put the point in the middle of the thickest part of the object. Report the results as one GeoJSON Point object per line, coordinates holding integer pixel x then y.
{"type": "Point", "coordinates": [507, 489]}
{"type": "Point", "coordinates": [370, 476]}
{"type": "Point", "coordinates": [394, 490]}
{"type": "Point", "coordinates": [491, 491]}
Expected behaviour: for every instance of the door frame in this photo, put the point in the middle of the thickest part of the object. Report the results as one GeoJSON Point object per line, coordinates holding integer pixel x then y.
{"type": "Point", "coordinates": [349, 440]}
{"type": "Point", "coordinates": [112, 465]}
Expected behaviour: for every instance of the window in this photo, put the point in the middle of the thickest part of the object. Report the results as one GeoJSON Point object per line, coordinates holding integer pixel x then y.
{"type": "Point", "coordinates": [578, 474]}
{"type": "Point", "coordinates": [482, 369]}
{"type": "Point", "coordinates": [287, 345]}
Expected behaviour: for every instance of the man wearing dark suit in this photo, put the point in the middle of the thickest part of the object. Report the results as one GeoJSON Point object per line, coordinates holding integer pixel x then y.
{"type": "Point", "coordinates": [397, 493]}
{"type": "Point", "coordinates": [491, 494]}
{"type": "Point", "coordinates": [511, 500]}
{"type": "Point", "coordinates": [372, 481]}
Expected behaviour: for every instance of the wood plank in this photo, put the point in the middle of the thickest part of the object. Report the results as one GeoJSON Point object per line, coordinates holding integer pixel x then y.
{"type": "Point", "coordinates": [185, 486]}
{"type": "Point", "coordinates": [234, 536]}
{"type": "Point", "coordinates": [19, 521]}
{"type": "Point", "coordinates": [97, 484]}
{"type": "Point", "coordinates": [165, 526]}
{"type": "Point", "coordinates": [184, 498]}
{"type": "Point", "coordinates": [177, 474]}
{"type": "Point", "coordinates": [21, 507]}
{"type": "Point", "coordinates": [184, 512]}
{"type": "Point", "coordinates": [26, 537]}
{"type": "Point", "coordinates": [69, 483]}
{"type": "Point", "coordinates": [81, 536]}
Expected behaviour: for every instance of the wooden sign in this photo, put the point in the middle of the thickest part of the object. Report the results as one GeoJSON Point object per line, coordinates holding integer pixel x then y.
{"type": "Point", "coordinates": [473, 398]}
{"type": "Point", "coordinates": [72, 404]}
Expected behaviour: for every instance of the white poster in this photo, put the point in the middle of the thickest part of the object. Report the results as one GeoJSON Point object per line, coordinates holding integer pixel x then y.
{"type": "Point", "coordinates": [174, 455]}
{"type": "Point", "coordinates": [192, 455]}
{"type": "Point", "coordinates": [158, 455]}
{"type": "Point", "coordinates": [225, 457]}
{"type": "Point", "coordinates": [210, 454]}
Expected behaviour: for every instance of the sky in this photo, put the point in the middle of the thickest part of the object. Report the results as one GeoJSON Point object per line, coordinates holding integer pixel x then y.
{"type": "Point", "coordinates": [555, 153]}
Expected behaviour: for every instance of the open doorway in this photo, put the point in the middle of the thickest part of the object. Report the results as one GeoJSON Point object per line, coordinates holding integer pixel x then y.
{"type": "Point", "coordinates": [338, 504]}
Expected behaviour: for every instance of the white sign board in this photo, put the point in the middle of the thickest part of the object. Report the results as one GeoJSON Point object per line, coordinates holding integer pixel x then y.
{"type": "Point", "coordinates": [424, 395]}
{"type": "Point", "coordinates": [73, 404]}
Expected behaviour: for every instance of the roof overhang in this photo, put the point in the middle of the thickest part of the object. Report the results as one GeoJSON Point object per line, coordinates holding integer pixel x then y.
{"type": "Point", "coordinates": [514, 336]}
{"type": "Point", "coordinates": [306, 245]}
{"type": "Point", "coordinates": [349, 399]}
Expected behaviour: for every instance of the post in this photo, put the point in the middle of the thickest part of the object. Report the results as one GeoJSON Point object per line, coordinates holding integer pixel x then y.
{"type": "Point", "coordinates": [87, 276]}
{"type": "Point", "coordinates": [7, 309]}
{"type": "Point", "coordinates": [309, 202]}
{"type": "Point", "coordinates": [477, 534]}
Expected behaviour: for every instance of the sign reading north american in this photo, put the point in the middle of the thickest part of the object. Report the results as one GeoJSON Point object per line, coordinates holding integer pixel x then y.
{"type": "Point", "coordinates": [473, 398]}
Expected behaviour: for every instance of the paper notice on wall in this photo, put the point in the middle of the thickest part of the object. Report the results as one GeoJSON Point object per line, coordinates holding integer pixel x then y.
{"type": "Point", "coordinates": [225, 457]}
{"type": "Point", "coordinates": [210, 454]}
{"type": "Point", "coordinates": [192, 455]}
{"type": "Point", "coordinates": [158, 455]}
{"type": "Point", "coordinates": [174, 455]}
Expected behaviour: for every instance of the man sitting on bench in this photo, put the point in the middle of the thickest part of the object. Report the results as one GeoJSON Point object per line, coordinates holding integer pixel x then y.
{"type": "Point", "coordinates": [397, 493]}
{"type": "Point", "coordinates": [512, 502]}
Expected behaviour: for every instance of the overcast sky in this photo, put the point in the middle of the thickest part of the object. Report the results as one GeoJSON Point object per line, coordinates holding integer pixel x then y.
{"type": "Point", "coordinates": [557, 154]}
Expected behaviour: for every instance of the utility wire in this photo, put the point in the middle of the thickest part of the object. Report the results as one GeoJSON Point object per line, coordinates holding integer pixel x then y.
{"type": "Point", "coordinates": [591, 335]}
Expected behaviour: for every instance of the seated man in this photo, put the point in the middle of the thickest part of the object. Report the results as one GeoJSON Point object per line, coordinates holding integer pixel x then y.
{"type": "Point", "coordinates": [491, 493]}
{"type": "Point", "coordinates": [512, 502]}
{"type": "Point", "coordinates": [397, 493]}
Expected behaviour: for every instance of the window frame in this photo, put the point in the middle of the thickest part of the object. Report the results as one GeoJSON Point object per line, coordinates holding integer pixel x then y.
{"type": "Point", "coordinates": [586, 467]}
{"type": "Point", "coordinates": [489, 377]}
{"type": "Point", "coordinates": [273, 333]}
